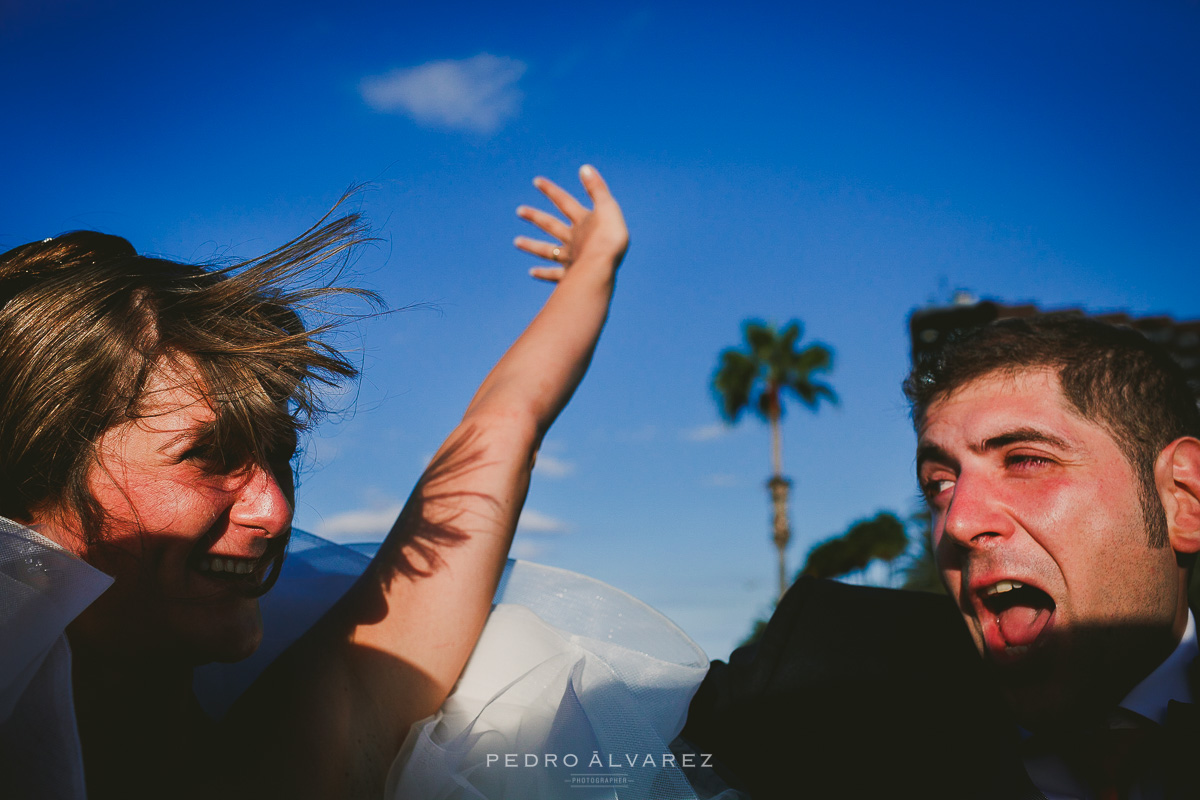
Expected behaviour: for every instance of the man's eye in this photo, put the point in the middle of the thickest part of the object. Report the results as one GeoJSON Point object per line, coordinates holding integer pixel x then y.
{"type": "Point", "coordinates": [1026, 460]}
{"type": "Point", "coordinates": [933, 488]}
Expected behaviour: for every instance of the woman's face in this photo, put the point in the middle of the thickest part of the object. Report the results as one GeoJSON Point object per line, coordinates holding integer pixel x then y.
{"type": "Point", "coordinates": [187, 545]}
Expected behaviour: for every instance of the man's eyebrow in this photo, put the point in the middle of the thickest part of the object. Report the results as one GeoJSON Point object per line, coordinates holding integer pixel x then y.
{"type": "Point", "coordinates": [927, 451]}
{"type": "Point", "coordinates": [1022, 436]}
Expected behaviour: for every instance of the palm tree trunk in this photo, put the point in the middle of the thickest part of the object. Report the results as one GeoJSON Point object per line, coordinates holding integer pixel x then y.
{"type": "Point", "coordinates": [778, 486]}
{"type": "Point", "coordinates": [776, 448]}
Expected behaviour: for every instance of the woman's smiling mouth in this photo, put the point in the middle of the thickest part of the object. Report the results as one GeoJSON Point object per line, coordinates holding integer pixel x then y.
{"type": "Point", "coordinates": [229, 566]}
{"type": "Point", "coordinates": [253, 575]}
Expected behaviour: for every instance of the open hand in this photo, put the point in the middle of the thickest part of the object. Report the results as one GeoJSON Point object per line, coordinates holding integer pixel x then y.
{"type": "Point", "coordinates": [595, 239]}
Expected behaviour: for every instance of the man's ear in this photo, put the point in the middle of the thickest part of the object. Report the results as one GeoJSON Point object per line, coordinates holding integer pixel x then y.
{"type": "Point", "coordinates": [1177, 475]}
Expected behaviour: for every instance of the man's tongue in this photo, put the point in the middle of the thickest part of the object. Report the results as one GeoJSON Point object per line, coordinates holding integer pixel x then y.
{"type": "Point", "coordinates": [1020, 625]}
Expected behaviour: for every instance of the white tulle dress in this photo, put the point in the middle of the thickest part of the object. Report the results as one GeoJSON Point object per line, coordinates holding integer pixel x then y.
{"type": "Point", "coordinates": [575, 689]}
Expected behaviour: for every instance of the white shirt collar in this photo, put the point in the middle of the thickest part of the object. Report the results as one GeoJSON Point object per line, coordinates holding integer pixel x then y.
{"type": "Point", "coordinates": [1168, 682]}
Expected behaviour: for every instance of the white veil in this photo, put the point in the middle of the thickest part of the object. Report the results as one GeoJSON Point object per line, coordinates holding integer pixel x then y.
{"type": "Point", "coordinates": [575, 690]}
{"type": "Point", "coordinates": [566, 665]}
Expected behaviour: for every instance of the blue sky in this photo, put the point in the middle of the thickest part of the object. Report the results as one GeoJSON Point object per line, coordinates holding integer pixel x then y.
{"type": "Point", "coordinates": [840, 163]}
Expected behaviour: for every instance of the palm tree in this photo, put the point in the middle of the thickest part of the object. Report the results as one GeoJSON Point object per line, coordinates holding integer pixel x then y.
{"type": "Point", "coordinates": [758, 375]}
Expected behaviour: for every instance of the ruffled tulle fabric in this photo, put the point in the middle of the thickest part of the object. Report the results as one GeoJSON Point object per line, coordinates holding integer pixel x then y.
{"type": "Point", "coordinates": [575, 690]}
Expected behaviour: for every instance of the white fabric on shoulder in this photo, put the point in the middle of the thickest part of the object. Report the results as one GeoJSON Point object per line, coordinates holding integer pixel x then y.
{"type": "Point", "coordinates": [42, 589]}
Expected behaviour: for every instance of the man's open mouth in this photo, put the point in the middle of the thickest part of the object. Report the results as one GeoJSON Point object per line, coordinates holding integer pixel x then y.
{"type": "Point", "coordinates": [1014, 616]}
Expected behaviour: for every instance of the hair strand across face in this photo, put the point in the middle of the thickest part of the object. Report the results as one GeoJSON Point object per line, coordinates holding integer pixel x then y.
{"type": "Point", "coordinates": [85, 321]}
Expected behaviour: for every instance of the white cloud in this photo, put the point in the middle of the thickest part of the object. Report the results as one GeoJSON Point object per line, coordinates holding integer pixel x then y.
{"type": "Point", "coordinates": [536, 522]}
{"type": "Point", "coordinates": [359, 525]}
{"type": "Point", "coordinates": [552, 467]}
{"type": "Point", "coordinates": [373, 523]}
{"type": "Point", "coordinates": [705, 433]}
{"type": "Point", "coordinates": [526, 549]}
{"type": "Point", "coordinates": [475, 94]}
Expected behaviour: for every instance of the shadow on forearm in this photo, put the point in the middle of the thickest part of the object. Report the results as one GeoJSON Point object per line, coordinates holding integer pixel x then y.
{"type": "Point", "coordinates": [433, 519]}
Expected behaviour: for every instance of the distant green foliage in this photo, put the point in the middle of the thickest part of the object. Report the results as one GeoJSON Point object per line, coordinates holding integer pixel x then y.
{"type": "Point", "coordinates": [883, 538]}
{"type": "Point", "coordinates": [921, 573]}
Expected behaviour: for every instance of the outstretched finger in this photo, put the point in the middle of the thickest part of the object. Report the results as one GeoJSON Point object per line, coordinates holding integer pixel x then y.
{"type": "Point", "coordinates": [550, 274]}
{"type": "Point", "coordinates": [546, 250]}
{"type": "Point", "coordinates": [571, 208]}
{"type": "Point", "coordinates": [547, 222]}
{"type": "Point", "coordinates": [597, 189]}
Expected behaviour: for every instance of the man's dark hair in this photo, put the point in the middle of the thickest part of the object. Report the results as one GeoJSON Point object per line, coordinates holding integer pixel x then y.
{"type": "Point", "coordinates": [1113, 376]}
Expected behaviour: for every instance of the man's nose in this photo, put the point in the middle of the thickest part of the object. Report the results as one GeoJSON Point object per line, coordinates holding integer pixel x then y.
{"type": "Point", "coordinates": [976, 515]}
{"type": "Point", "coordinates": [262, 503]}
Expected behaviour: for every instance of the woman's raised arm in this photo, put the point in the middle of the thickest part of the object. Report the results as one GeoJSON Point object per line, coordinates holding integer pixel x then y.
{"type": "Point", "coordinates": [337, 705]}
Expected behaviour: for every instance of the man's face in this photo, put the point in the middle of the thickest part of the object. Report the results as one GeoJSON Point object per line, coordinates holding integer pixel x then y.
{"type": "Point", "coordinates": [1040, 537]}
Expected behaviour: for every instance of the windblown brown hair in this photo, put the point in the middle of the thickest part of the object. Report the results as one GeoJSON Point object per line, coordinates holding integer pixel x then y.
{"type": "Point", "coordinates": [1111, 375]}
{"type": "Point", "coordinates": [85, 320]}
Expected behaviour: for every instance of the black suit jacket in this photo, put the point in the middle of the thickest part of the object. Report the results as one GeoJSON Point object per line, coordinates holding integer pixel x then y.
{"type": "Point", "coordinates": [859, 692]}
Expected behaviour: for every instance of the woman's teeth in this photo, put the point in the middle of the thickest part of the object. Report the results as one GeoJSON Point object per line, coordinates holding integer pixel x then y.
{"type": "Point", "coordinates": [236, 566]}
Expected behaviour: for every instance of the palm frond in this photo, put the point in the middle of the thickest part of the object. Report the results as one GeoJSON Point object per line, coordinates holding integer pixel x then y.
{"type": "Point", "coordinates": [816, 357]}
{"type": "Point", "coordinates": [733, 383]}
{"type": "Point", "coordinates": [812, 392]}
{"type": "Point", "coordinates": [769, 363]}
